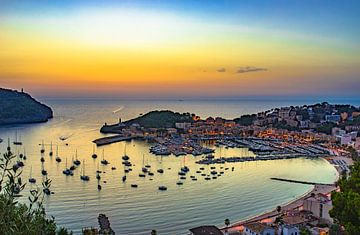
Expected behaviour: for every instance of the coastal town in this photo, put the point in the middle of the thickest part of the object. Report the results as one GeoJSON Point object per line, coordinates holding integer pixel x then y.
{"type": "Point", "coordinates": [321, 130]}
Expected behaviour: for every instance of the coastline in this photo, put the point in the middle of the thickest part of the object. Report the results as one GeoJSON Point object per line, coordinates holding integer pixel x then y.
{"type": "Point", "coordinates": [293, 204]}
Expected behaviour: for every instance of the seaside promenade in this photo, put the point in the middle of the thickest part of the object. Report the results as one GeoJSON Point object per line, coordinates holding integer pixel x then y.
{"type": "Point", "coordinates": [292, 205]}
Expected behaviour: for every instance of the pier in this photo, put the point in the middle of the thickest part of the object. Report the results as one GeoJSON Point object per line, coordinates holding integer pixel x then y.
{"type": "Point", "coordinates": [299, 181]}
{"type": "Point", "coordinates": [111, 139]}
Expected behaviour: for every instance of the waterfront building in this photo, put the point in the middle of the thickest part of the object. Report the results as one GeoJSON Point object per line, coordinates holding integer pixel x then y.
{"type": "Point", "coordinates": [258, 229]}
{"type": "Point", "coordinates": [319, 205]}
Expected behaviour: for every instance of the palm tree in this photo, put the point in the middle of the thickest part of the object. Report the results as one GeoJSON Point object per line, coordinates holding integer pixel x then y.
{"type": "Point", "coordinates": [278, 209]}
{"type": "Point", "coordinates": [227, 222]}
{"type": "Point", "coordinates": [153, 232]}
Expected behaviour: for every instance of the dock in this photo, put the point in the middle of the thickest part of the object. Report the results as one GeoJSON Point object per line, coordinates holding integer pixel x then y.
{"type": "Point", "coordinates": [299, 181]}
{"type": "Point", "coordinates": [111, 139]}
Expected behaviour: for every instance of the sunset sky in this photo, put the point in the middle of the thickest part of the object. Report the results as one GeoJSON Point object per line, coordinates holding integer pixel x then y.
{"type": "Point", "coordinates": [181, 48]}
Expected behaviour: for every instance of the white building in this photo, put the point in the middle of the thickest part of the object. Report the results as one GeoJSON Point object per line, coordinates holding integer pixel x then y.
{"type": "Point", "coordinates": [258, 229]}
{"type": "Point", "coordinates": [289, 230]}
{"type": "Point", "coordinates": [319, 205]}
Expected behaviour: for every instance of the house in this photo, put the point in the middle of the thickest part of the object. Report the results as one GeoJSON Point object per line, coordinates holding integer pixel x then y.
{"type": "Point", "coordinates": [258, 229]}
{"type": "Point", "coordinates": [319, 205]}
{"type": "Point", "coordinates": [206, 230]}
{"type": "Point", "coordinates": [289, 230]}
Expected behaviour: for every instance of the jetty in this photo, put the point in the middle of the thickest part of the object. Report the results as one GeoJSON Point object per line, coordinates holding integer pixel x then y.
{"type": "Point", "coordinates": [111, 139]}
{"type": "Point", "coordinates": [299, 181]}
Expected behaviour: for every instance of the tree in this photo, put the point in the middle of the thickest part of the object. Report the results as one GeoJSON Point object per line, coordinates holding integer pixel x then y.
{"type": "Point", "coordinates": [18, 218]}
{"type": "Point", "coordinates": [227, 222]}
{"type": "Point", "coordinates": [346, 203]}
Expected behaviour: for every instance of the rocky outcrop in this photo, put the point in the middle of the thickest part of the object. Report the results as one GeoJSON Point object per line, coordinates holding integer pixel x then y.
{"type": "Point", "coordinates": [19, 107]}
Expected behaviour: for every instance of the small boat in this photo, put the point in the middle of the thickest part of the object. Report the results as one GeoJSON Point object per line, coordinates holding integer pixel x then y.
{"type": "Point", "coordinates": [113, 168]}
{"type": "Point", "coordinates": [203, 174]}
{"type": "Point", "coordinates": [44, 172]}
{"type": "Point", "coordinates": [72, 168]}
{"type": "Point", "coordinates": [31, 179]}
{"type": "Point", "coordinates": [42, 159]}
{"type": "Point", "coordinates": [126, 170]}
{"type": "Point", "coordinates": [94, 155]}
{"type": "Point", "coordinates": [212, 168]}
{"type": "Point", "coordinates": [162, 188]}
{"type": "Point", "coordinates": [160, 171]}
{"type": "Point", "coordinates": [214, 177]}
{"type": "Point", "coordinates": [183, 178]}
{"type": "Point", "coordinates": [144, 169]}
{"type": "Point", "coordinates": [232, 168]}
{"type": "Point", "coordinates": [150, 173]}
{"type": "Point", "coordinates": [99, 187]}
{"type": "Point", "coordinates": [103, 161]}
{"type": "Point", "coordinates": [77, 161]}
{"type": "Point", "coordinates": [194, 179]}
{"type": "Point", "coordinates": [181, 173]}
{"type": "Point", "coordinates": [134, 185]}
{"type": "Point", "coordinates": [207, 178]}
{"type": "Point", "coordinates": [20, 164]}
{"type": "Point", "coordinates": [202, 168]}
{"type": "Point", "coordinates": [42, 150]}
{"type": "Point", "coordinates": [51, 150]}
{"type": "Point", "coordinates": [142, 175]}
{"type": "Point", "coordinates": [124, 178]}
{"type": "Point", "coordinates": [98, 177]}
{"type": "Point", "coordinates": [179, 183]}
{"type": "Point", "coordinates": [213, 173]}
{"type": "Point", "coordinates": [83, 176]}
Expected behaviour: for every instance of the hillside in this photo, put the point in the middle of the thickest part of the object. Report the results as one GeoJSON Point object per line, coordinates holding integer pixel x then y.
{"type": "Point", "coordinates": [160, 119]}
{"type": "Point", "coordinates": [19, 107]}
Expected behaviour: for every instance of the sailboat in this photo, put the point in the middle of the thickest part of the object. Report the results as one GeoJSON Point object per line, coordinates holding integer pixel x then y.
{"type": "Point", "coordinates": [31, 179]}
{"type": "Point", "coordinates": [67, 171]}
{"type": "Point", "coordinates": [103, 161]}
{"type": "Point", "coordinates": [58, 159]}
{"type": "Point", "coordinates": [94, 155]}
{"type": "Point", "coordinates": [43, 171]}
{"type": "Point", "coordinates": [83, 176]}
{"type": "Point", "coordinates": [19, 162]}
{"type": "Point", "coordinates": [24, 155]}
{"type": "Point", "coordinates": [76, 162]}
{"type": "Point", "coordinates": [125, 157]}
{"type": "Point", "coordinates": [98, 177]}
{"type": "Point", "coordinates": [8, 147]}
{"type": "Point", "coordinates": [17, 142]}
{"type": "Point", "coordinates": [51, 150]}
{"type": "Point", "coordinates": [144, 169]}
{"type": "Point", "coordinates": [42, 150]}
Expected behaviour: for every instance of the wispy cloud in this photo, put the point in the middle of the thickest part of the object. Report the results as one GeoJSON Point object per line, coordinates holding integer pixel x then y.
{"type": "Point", "coordinates": [250, 69]}
{"type": "Point", "coordinates": [221, 70]}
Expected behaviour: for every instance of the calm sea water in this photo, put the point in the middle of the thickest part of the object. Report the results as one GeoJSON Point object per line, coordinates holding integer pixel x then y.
{"type": "Point", "coordinates": [236, 195]}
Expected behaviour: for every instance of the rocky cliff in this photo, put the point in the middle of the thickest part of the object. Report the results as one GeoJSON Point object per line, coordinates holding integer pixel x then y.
{"type": "Point", "coordinates": [19, 107]}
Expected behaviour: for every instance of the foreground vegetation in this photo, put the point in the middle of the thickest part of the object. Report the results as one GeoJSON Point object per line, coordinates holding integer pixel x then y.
{"type": "Point", "coordinates": [20, 218]}
{"type": "Point", "coordinates": [346, 203]}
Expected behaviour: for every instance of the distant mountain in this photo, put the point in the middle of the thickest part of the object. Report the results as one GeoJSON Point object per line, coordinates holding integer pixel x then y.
{"type": "Point", "coordinates": [19, 107]}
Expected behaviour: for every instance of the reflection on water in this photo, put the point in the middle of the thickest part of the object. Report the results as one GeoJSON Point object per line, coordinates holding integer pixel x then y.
{"type": "Point", "coordinates": [237, 194]}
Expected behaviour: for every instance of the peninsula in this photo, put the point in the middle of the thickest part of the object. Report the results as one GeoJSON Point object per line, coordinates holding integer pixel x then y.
{"type": "Point", "coordinates": [20, 108]}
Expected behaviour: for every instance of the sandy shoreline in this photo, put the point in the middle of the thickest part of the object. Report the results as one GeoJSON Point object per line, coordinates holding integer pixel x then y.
{"type": "Point", "coordinates": [294, 204]}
